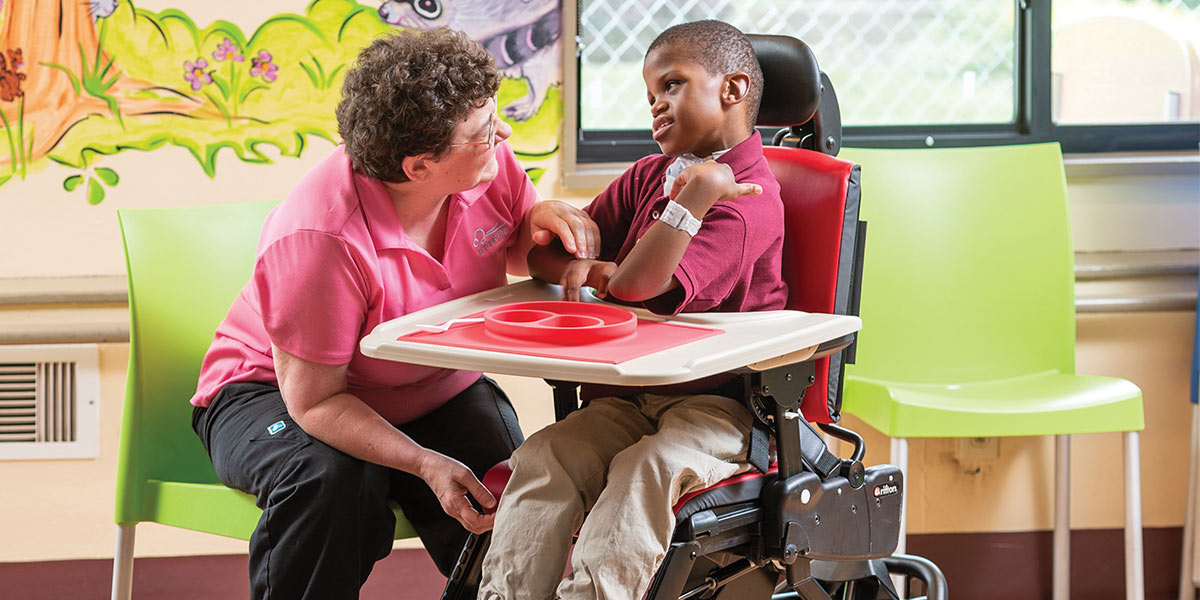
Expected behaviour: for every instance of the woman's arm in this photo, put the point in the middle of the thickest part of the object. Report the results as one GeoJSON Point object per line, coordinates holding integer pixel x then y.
{"type": "Point", "coordinates": [317, 400]}
{"type": "Point", "coordinates": [548, 220]}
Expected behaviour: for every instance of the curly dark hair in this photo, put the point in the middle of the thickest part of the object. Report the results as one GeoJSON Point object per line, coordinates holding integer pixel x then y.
{"type": "Point", "coordinates": [405, 94]}
{"type": "Point", "coordinates": [721, 49]}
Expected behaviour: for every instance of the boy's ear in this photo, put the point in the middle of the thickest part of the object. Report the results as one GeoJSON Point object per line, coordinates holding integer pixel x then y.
{"type": "Point", "coordinates": [737, 85]}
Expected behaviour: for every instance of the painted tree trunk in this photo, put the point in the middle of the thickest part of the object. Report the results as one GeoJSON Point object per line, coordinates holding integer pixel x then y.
{"type": "Point", "coordinates": [46, 49]}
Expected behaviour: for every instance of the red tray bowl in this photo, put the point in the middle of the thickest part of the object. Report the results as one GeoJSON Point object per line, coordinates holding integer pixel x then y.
{"type": "Point", "coordinates": [560, 322]}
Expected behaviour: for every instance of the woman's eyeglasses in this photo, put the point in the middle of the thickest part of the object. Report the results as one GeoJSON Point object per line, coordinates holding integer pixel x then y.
{"type": "Point", "coordinates": [490, 141]}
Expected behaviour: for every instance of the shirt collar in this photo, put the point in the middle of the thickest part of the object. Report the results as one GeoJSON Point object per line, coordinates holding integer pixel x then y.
{"type": "Point", "coordinates": [382, 222]}
{"type": "Point", "coordinates": [739, 158]}
{"type": "Point", "coordinates": [744, 155]}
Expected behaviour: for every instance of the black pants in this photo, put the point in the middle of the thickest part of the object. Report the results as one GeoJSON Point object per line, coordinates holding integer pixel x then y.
{"type": "Point", "coordinates": [326, 517]}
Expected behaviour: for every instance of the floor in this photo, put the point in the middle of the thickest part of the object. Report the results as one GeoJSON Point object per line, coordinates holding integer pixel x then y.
{"type": "Point", "coordinates": [403, 575]}
{"type": "Point", "coordinates": [979, 566]}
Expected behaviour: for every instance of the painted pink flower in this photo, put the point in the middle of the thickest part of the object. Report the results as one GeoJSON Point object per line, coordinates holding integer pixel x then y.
{"type": "Point", "coordinates": [195, 73]}
{"type": "Point", "coordinates": [262, 65]}
{"type": "Point", "coordinates": [227, 51]}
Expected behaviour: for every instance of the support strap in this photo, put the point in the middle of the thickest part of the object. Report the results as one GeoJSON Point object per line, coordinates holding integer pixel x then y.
{"type": "Point", "coordinates": [775, 396]}
{"type": "Point", "coordinates": [759, 452]}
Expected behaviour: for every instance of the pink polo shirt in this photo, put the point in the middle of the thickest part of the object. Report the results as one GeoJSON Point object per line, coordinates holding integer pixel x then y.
{"type": "Point", "coordinates": [334, 262]}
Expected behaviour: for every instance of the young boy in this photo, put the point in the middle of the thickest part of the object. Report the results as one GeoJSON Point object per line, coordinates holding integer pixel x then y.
{"type": "Point", "coordinates": [697, 228]}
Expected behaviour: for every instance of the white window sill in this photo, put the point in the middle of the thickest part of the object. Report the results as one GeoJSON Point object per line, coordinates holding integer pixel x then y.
{"type": "Point", "coordinates": [1132, 164]}
{"type": "Point", "coordinates": [598, 175]}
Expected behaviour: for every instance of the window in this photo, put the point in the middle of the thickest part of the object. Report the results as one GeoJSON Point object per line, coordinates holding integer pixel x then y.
{"type": "Point", "coordinates": [1122, 62]}
{"type": "Point", "coordinates": [1123, 74]}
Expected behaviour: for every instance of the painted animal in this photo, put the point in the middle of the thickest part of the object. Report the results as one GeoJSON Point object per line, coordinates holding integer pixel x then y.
{"type": "Point", "coordinates": [102, 9]}
{"type": "Point", "coordinates": [522, 35]}
{"type": "Point", "coordinates": [10, 79]}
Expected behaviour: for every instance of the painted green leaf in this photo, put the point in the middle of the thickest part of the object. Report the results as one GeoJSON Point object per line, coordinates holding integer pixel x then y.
{"type": "Point", "coordinates": [239, 119]}
{"type": "Point", "coordinates": [95, 192]}
{"type": "Point", "coordinates": [108, 175]}
{"type": "Point", "coordinates": [72, 182]}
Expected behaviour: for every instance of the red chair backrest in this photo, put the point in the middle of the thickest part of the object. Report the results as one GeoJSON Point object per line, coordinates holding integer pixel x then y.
{"type": "Point", "coordinates": [821, 198]}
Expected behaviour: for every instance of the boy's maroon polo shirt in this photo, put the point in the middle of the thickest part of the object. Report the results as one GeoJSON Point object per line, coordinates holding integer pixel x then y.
{"type": "Point", "coordinates": [732, 265]}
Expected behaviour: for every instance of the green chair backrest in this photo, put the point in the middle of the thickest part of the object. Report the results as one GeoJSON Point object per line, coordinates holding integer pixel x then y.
{"type": "Point", "coordinates": [969, 266]}
{"type": "Point", "coordinates": [185, 267]}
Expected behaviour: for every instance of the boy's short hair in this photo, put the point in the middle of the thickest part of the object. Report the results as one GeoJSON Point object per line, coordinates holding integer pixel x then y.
{"type": "Point", "coordinates": [721, 49]}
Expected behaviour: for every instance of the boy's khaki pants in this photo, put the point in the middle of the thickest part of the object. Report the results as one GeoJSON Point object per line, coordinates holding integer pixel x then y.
{"type": "Point", "coordinates": [625, 463]}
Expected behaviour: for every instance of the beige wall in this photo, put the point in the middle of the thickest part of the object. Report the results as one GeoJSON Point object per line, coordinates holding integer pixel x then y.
{"type": "Point", "coordinates": [63, 509]}
{"type": "Point", "coordinates": [51, 510]}
{"type": "Point", "coordinates": [1014, 492]}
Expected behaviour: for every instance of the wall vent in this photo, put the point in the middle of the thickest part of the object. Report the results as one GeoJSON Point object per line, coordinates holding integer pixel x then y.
{"type": "Point", "coordinates": [49, 401]}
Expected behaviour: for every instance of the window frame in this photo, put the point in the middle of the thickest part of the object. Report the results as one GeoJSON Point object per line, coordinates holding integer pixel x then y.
{"type": "Point", "coordinates": [600, 150]}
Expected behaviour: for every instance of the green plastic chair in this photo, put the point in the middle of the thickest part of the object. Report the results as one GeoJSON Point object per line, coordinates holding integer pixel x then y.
{"type": "Point", "coordinates": [185, 266]}
{"type": "Point", "coordinates": [969, 317]}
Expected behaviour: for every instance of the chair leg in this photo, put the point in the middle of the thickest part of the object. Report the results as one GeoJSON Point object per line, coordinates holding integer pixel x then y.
{"type": "Point", "coordinates": [122, 579]}
{"type": "Point", "coordinates": [899, 457]}
{"type": "Point", "coordinates": [1062, 517]}
{"type": "Point", "coordinates": [1187, 587]}
{"type": "Point", "coordinates": [1135, 584]}
{"type": "Point", "coordinates": [899, 451]}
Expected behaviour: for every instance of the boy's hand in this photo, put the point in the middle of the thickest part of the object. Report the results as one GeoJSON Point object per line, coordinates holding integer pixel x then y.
{"type": "Point", "coordinates": [716, 183]}
{"type": "Point", "coordinates": [551, 218]}
{"type": "Point", "coordinates": [592, 273]}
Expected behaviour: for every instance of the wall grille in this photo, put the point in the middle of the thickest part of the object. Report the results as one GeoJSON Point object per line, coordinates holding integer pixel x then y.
{"type": "Point", "coordinates": [49, 396]}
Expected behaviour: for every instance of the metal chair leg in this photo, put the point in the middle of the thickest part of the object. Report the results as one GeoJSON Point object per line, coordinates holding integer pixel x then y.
{"type": "Point", "coordinates": [122, 580]}
{"type": "Point", "coordinates": [1062, 517]}
{"type": "Point", "coordinates": [1187, 585]}
{"type": "Point", "coordinates": [1135, 584]}
{"type": "Point", "coordinates": [899, 457]}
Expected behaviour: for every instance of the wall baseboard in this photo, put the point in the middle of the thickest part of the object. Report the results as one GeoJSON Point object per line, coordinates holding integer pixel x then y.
{"type": "Point", "coordinates": [978, 566]}
{"type": "Point", "coordinates": [1005, 565]}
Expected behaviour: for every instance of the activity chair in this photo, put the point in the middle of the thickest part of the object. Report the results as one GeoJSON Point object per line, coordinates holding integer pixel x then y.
{"type": "Point", "coordinates": [185, 266]}
{"type": "Point", "coordinates": [969, 284]}
{"type": "Point", "coordinates": [814, 525]}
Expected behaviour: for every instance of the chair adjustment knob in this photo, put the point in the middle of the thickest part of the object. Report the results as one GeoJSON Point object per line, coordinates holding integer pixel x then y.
{"type": "Point", "coordinates": [854, 472]}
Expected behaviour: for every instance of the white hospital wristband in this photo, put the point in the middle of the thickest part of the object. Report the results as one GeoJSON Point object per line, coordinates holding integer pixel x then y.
{"type": "Point", "coordinates": [680, 218]}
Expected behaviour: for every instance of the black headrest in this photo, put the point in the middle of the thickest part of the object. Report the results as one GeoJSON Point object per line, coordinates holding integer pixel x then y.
{"type": "Point", "coordinates": [791, 80]}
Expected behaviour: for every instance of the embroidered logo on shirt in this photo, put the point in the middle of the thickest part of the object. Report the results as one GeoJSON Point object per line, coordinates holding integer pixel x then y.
{"type": "Point", "coordinates": [276, 427]}
{"type": "Point", "coordinates": [486, 239]}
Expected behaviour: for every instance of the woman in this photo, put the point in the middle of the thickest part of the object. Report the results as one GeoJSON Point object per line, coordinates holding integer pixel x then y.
{"type": "Point", "coordinates": [424, 202]}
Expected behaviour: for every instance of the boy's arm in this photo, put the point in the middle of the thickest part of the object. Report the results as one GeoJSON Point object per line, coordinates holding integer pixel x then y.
{"type": "Point", "coordinates": [649, 269]}
{"type": "Point", "coordinates": [553, 264]}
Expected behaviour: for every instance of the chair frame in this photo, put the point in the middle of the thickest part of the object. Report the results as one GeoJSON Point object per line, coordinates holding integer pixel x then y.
{"type": "Point", "coordinates": [894, 422]}
{"type": "Point", "coordinates": [146, 488]}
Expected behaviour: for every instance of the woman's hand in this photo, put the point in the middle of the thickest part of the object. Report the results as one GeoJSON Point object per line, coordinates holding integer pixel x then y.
{"type": "Point", "coordinates": [551, 218]}
{"type": "Point", "coordinates": [592, 273]}
{"type": "Point", "coordinates": [452, 481]}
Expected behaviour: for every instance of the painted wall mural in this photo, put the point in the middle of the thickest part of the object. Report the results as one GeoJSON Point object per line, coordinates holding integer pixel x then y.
{"type": "Point", "coordinates": [83, 79]}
